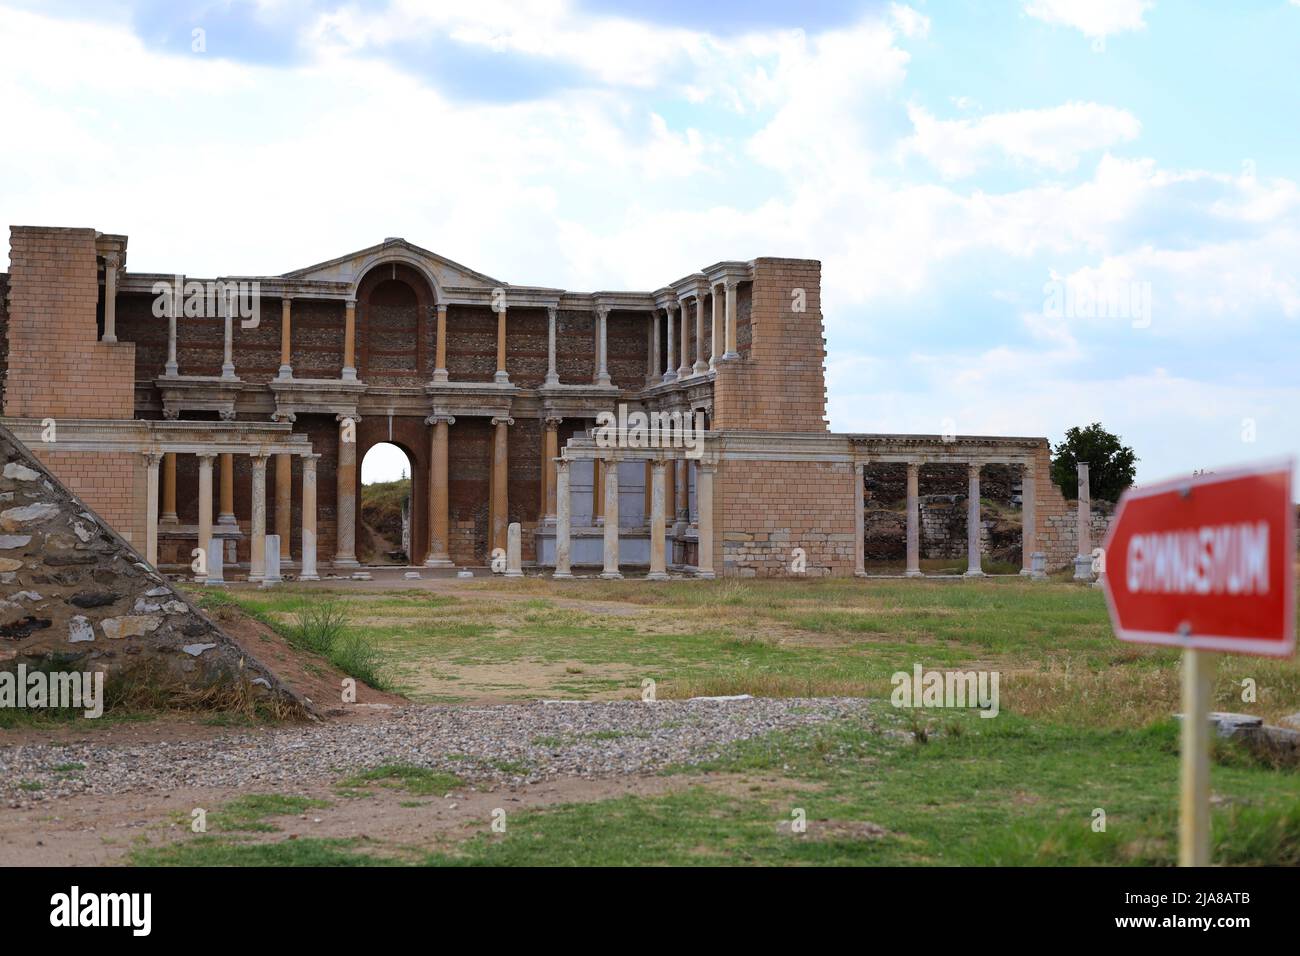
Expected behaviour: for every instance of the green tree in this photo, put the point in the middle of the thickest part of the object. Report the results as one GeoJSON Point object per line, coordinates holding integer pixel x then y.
{"type": "Point", "coordinates": [1111, 464]}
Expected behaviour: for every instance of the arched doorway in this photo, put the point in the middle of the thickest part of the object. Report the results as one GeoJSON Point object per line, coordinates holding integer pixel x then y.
{"type": "Point", "coordinates": [386, 516]}
{"type": "Point", "coordinates": [395, 325]}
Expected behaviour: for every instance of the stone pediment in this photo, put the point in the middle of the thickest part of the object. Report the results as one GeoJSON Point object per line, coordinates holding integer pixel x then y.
{"type": "Point", "coordinates": [351, 267]}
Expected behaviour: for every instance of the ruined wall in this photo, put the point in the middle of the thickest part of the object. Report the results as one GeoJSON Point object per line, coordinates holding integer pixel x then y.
{"type": "Point", "coordinates": [57, 367]}
{"type": "Point", "coordinates": [4, 334]}
{"type": "Point", "coordinates": [779, 383]}
{"type": "Point", "coordinates": [53, 336]}
{"type": "Point", "coordinates": [76, 596]}
{"type": "Point", "coordinates": [763, 510]}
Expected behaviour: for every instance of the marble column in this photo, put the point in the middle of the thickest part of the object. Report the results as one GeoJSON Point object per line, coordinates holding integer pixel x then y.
{"type": "Point", "coordinates": [111, 263]}
{"type": "Point", "coordinates": [658, 524]}
{"type": "Point", "coordinates": [257, 546]}
{"type": "Point", "coordinates": [973, 569]}
{"type": "Point", "coordinates": [670, 373]}
{"type": "Point", "coordinates": [597, 493]}
{"type": "Point", "coordinates": [715, 332]}
{"type": "Point", "coordinates": [501, 377]}
{"type": "Point", "coordinates": [169, 489]}
{"type": "Point", "coordinates": [552, 372]}
{"type": "Point", "coordinates": [683, 495]}
{"type": "Point", "coordinates": [440, 349]}
{"type": "Point", "coordinates": [439, 492]}
{"type": "Point", "coordinates": [286, 340]}
{"type": "Point", "coordinates": [1083, 527]}
{"type": "Point", "coordinates": [1028, 518]}
{"type": "Point", "coordinates": [309, 518]}
{"type": "Point", "coordinates": [562, 512]}
{"type": "Point", "coordinates": [701, 363]}
{"type": "Point", "coordinates": [859, 523]}
{"type": "Point", "coordinates": [704, 505]}
{"type": "Point", "coordinates": [284, 503]}
{"type": "Point", "coordinates": [151, 462]}
{"type": "Point", "coordinates": [226, 515]}
{"type": "Point", "coordinates": [552, 452]}
{"type": "Point", "coordinates": [349, 373]}
{"type": "Point", "coordinates": [228, 342]}
{"type": "Point", "coordinates": [646, 504]}
{"type": "Point", "coordinates": [602, 347]}
{"type": "Point", "coordinates": [611, 571]}
{"type": "Point", "coordinates": [913, 520]}
{"type": "Point", "coordinates": [205, 504]}
{"type": "Point", "coordinates": [684, 365]}
{"type": "Point", "coordinates": [171, 368]}
{"type": "Point", "coordinates": [500, 487]}
{"type": "Point", "coordinates": [345, 511]}
{"type": "Point", "coordinates": [731, 352]}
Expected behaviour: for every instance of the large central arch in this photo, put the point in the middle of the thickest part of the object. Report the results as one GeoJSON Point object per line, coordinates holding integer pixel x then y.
{"type": "Point", "coordinates": [395, 324]}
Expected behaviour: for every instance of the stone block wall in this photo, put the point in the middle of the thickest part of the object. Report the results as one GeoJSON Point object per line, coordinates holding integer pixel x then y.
{"type": "Point", "coordinates": [779, 382]}
{"type": "Point", "coordinates": [76, 596]}
{"type": "Point", "coordinates": [763, 510]}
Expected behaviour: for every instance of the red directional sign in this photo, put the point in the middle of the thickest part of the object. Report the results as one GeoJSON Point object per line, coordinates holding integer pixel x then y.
{"type": "Point", "coordinates": [1206, 562]}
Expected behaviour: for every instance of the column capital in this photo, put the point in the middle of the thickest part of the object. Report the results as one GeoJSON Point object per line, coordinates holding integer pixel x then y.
{"type": "Point", "coordinates": [341, 418]}
{"type": "Point", "coordinates": [206, 457]}
{"type": "Point", "coordinates": [670, 307]}
{"type": "Point", "coordinates": [309, 459]}
{"type": "Point", "coordinates": [437, 419]}
{"type": "Point", "coordinates": [153, 458]}
{"type": "Point", "coordinates": [502, 420]}
{"type": "Point", "coordinates": [278, 416]}
{"type": "Point", "coordinates": [562, 464]}
{"type": "Point", "coordinates": [730, 283]}
{"type": "Point", "coordinates": [259, 459]}
{"type": "Point", "coordinates": [350, 302]}
{"type": "Point", "coordinates": [552, 422]}
{"type": "Point", "coordinates": [286, 298]}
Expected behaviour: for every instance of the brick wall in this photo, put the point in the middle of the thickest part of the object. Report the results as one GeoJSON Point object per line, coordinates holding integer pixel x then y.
{"type": "Point", "coordinates": [53, 334]}
{"type": "Point", "coordinates": [4, 333]}
{"type": "Point", "coordinates": [779, 382]}
{"type": "Point", "coordinates": [764, 510]}
{"type": "Point", "coordinates": [111, 484]}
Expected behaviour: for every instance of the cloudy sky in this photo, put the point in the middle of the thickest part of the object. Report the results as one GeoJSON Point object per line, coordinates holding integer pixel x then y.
{"type": "Point", "coordinates": [1031, 214]}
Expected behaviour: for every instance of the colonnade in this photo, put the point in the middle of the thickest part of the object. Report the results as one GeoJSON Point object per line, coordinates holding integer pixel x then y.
{"type": "Point", "coordinates": [160, 498]}
{"type": "Point", "coordinates": [605, 486]}
{"type": "Point", "coordinates": [974, 567]}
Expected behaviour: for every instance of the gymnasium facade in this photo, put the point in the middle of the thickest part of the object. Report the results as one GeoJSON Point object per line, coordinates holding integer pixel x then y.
{"type": "Point", "coordinates": [186, 410]}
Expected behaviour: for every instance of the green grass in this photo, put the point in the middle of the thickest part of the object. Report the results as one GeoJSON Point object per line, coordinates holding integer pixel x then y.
{"type": "Point", "coordinates": [249, 813]}
{"type": "Point", "coordinates": [319, 624]}
{"type": "Point", "coordinates": [1085, 724]}
{"type": "Point", "coordinates": [1051, 641]}
{"type": "Point", "coordinates": [1007, 791]}
{"type": "Point", "coordinates": [416, 780]}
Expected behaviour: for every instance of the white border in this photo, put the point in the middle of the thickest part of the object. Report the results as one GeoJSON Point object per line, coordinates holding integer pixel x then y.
{"type": "Point", "coordinates": [1211, 642]}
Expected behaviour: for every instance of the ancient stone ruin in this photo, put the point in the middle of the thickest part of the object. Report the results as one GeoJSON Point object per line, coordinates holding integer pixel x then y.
{"type": "Point", "coordinates": [75, 596]}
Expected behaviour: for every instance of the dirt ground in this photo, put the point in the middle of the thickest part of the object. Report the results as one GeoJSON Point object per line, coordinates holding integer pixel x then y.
{"type": "Point", "coordinates": [92, 830]}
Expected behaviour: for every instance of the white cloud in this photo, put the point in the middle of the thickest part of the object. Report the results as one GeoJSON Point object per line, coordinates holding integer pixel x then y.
{"type": "Point", "coordinates": [1092, 18]}
{"type": "Point", "coordinates": [911, 23]}
{"type": "Point", "coordinates": [1052, 138]}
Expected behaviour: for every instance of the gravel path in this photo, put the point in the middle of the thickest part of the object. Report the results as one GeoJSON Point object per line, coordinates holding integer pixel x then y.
{"type": "Point", "coordinates": [496, 744]}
